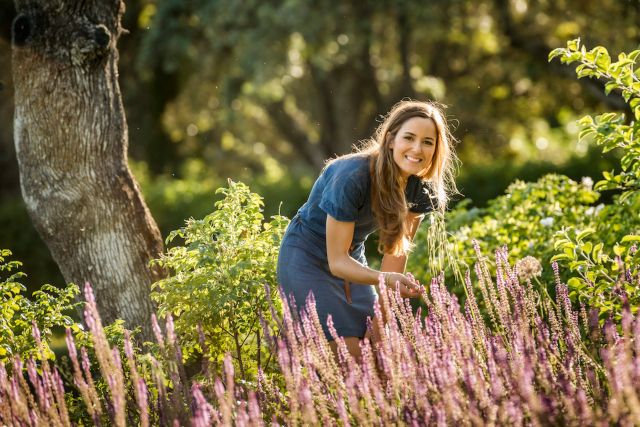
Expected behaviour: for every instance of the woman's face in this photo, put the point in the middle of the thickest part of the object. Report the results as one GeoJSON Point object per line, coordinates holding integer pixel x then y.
{"type": "Point", "coordinates": [413, 145]}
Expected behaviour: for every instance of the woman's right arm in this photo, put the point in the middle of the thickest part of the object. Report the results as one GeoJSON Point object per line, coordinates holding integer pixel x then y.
{"type": "Point", "coordinates": [339, 237]}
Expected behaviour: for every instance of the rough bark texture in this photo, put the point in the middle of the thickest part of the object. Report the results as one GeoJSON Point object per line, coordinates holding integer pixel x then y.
{"type": "Point", "coordinates": [8, 167]}
{"type": "Point", "coordinates": [71, 141]}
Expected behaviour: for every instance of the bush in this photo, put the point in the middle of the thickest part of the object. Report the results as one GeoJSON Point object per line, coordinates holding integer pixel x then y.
{"type": "Point", "coordinates": [48, 309]}
{"type": "Point", "coordinates": [525, 219]}
{"type": "Point", "coordinates": [603, 257]}
{"type": "Point", "coordinates": [554, 219]}
{"type": "Point", "coordinates": [216, 288]}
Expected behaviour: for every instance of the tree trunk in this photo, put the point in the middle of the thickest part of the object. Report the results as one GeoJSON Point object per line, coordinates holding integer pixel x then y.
{"type": "Point", "coordinates": [70, 136]}
{"type": "Point", "coordinates": [8, 168]}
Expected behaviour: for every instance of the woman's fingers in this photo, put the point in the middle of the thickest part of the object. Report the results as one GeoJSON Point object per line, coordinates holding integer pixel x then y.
{"type": "Point", "coordinates": [410, 291]}
{"type": "Point", "coordinates": [409, 287]}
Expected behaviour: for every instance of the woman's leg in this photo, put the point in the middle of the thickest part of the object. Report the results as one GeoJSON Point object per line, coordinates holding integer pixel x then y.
{"type": "Point", "coordinates": [374, 333]}
{"type": "Point", "coordinates": [353, 345]}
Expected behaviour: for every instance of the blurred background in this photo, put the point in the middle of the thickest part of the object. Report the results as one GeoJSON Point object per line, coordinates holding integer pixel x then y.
{"type": "Point", "coordinates": [264, 91]}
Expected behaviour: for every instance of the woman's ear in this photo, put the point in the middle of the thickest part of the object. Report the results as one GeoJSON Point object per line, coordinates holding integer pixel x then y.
{"type": "Point", "coordinates": [390, 140]}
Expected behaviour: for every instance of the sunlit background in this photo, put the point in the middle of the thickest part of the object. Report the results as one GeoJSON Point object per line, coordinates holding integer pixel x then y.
{"type": "Point", "coordinates": [264, 92]}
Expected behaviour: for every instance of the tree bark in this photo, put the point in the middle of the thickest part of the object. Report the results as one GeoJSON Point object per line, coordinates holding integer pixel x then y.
{"type": "Point", "coordinates": [71, 137]}
{"type": "Point", "coordinates": [8, 167]}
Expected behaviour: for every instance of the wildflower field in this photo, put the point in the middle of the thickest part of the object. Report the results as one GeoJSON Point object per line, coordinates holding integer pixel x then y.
{"type": "Point", "coordinates": [530, 318]}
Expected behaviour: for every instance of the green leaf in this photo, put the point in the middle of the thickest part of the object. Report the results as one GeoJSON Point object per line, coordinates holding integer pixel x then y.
{"type": "Point", "coordinates": [624, 197]}
{"type": "Point", "coordinates": [603, 60]}
{"type": "Point", "coordinates": [597, 249]}
{"type": "Point", "coordinates": [556, 52]}
{"type": "Point", "coordinates": [586, 121]}
{"type": "Point", "coordinates": [609, 86]}
{"type": "Point", "coordinates": [586, 132]}
{"type": "Point", "coordinates": [630, 238]}
{"type": "Point", "coordinates": [633, 55]}
{"type": "Point", "coordinates": [575, 282]}
{"type": "Point", "coordinates": [573, 45]}
{"type": "Point", "coordinates": [560, 257]}
{"type": "Point", "coordinates": [561, 243]}
{"type": "Point", "coordinates": [584, 233]}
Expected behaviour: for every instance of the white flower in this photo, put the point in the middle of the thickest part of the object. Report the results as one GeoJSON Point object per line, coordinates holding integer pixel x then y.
{"type": "Point", "coordinates": [528, 268]}
{"type": "Point", "coordinates": [594, 210]}
{"type": "Point", "coordinates": [547, 222]}
{"type": "Point", "coordinates": [587, 182]}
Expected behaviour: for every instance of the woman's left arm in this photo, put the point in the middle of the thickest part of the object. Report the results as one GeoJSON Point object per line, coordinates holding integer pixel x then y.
{"type": "Point", "coordinates": [398, 263]}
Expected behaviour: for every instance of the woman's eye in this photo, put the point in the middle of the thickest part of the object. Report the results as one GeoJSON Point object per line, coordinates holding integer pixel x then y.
{"type": "Point", "coordinates": [408, 138]}
{"type": "Point", "coordinates": [427, 142]}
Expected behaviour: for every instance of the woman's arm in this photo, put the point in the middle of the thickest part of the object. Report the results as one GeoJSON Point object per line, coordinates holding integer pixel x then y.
{"type": "Point", "coordinates": [339, 238]}
{"type": "Point", "coordinates": [399, 263]}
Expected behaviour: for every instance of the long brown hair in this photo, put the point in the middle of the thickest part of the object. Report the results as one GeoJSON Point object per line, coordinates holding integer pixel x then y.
{"type": "Point", "coordinates": [387, 191]}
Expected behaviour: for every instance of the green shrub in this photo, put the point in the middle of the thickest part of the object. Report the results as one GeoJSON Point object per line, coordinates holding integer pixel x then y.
{"type": "Point", "coordinates": [555, 218]}
{"type": "Point", "coordinates": [525, 219]}
{"type": "Point", "coordinates": [18, 313]}
{"type": "Point", "coordinates": [603, 258]}
{"type": "Point", "coordinates": [217, 280]}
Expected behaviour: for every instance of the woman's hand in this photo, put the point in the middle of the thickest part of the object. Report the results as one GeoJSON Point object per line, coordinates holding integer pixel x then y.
{"type": "Point", "coordinates": [409, 287]}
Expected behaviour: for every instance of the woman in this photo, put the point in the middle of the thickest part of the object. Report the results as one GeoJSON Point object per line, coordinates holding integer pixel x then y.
{"type": "Point", "coordinates": [404, 171]}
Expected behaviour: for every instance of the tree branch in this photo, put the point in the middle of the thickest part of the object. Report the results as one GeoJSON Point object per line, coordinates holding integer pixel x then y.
{"type": "Point", "coordinates": [288, 128]}
{"type": "Point", "coordinates": [404, 36]}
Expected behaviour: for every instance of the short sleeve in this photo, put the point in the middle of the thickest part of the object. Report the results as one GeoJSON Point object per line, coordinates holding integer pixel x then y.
{"type": "Point", "coordinates": [418, 196]}
{"type": "Point", "coordinates": [343, 195]}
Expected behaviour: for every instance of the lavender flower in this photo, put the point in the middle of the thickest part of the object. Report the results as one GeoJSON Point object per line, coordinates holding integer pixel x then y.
{"type": "Point", "coordinates": [448, 367]}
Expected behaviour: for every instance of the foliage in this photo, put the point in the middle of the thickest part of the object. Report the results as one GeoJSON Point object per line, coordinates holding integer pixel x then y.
{"type": "Point", "coordinates": [18, 314]}
{"type": "Point", "coordinates": [169, 197]}
{"type": "Point", "coordinates": [610, 130]}
{"type": "Point", "coordinates": [604, 256]}
{"type": "Point", "coordinates": [525, 218]}
{"type": "Point", "coordinates": [604, 280]}
{"type": "Point", "coordinates": [186, 99]}
{"type": "Point", "coordinates": [482, 181]}
{"type": "Point", "coordinates": [218, 278]}
{"type": "Point", "coordinates": [448, 368]}
{"type": "Point", "coordinates": [555, 218]}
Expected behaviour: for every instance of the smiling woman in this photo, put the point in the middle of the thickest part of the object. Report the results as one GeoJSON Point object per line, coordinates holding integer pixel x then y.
{"type": "Point", "coordinates": [401, 173]}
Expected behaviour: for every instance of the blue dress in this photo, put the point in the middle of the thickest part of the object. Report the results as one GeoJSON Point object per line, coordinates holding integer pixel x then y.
{"type": "Point", "coordinates": [343, 190]}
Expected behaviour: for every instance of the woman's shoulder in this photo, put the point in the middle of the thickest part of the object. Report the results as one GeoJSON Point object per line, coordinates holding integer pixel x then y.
{"type": "Point", "coordinates": [356, 164]}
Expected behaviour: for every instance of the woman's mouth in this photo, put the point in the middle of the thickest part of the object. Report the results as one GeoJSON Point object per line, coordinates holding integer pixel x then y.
{"type": "Point", "coordinates": [413, 159]}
